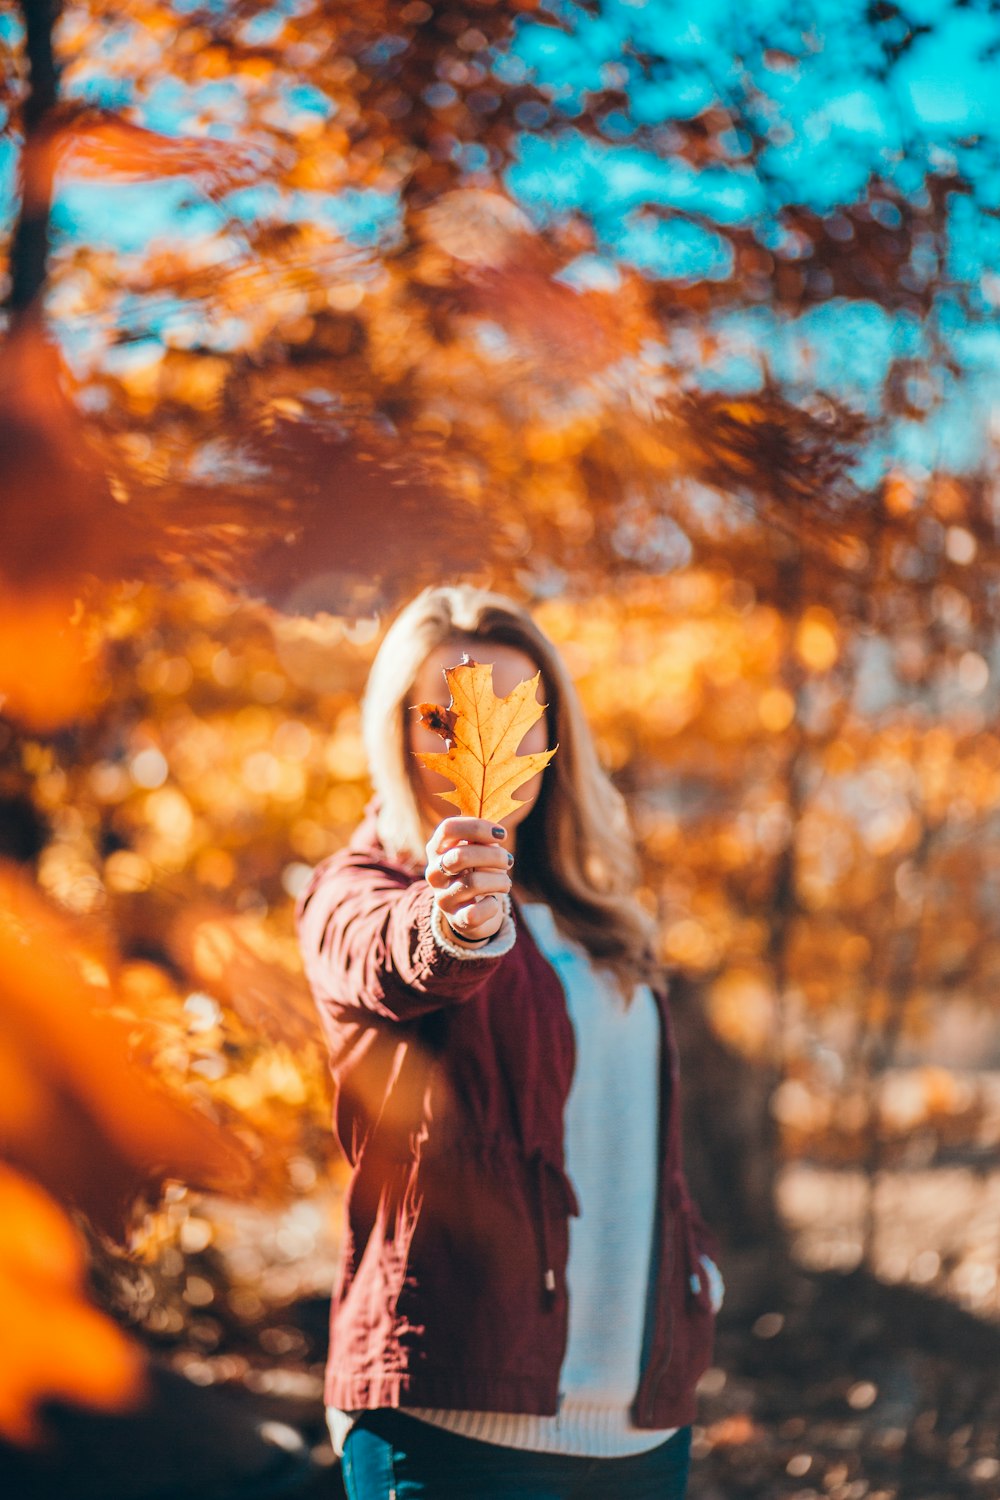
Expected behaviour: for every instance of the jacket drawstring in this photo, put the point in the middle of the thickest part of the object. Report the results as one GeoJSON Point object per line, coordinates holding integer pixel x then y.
{"type": "Point", "coordinates": [548, 1270]}
{"type": "Point", "coordinates": [542, 1168]}
{"type": "Point", "coordinates": [692, 1259]}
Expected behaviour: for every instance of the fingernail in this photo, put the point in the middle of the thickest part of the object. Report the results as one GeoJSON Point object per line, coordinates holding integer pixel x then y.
{"type": "Point", "coordinates": [499, 833]}
{"type": "Point", "coordinates": [510, 857]}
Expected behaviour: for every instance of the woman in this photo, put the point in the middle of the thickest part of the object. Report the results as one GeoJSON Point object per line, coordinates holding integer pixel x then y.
{"type": "Point", "coordinates": [524, 1304]}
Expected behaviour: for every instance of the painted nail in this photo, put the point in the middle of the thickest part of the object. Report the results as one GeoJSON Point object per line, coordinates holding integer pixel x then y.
{"type": "Point", "coordinates": [510, 857]}
{"type": "Point", "coordinates": [499, 833]}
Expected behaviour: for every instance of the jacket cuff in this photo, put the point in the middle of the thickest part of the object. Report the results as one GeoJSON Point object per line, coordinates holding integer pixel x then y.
{"type": "Point", "coordinates": [502, 942]}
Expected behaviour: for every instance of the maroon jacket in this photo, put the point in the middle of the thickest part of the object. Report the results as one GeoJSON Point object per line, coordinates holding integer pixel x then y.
{"type": "Point", "coordinates": [451, 1080]}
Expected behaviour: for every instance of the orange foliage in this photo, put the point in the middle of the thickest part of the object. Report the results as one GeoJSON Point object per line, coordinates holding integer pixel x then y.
{"type": "Point", "coordinates": [89, 1125]}
{"type": "Point", "coordinates": [251, 970]}
{"type": "Point", "coordinates": [60, 522]}
{"type": "Point", "coordinates": [49, 659]}
{"type": "Point", "coordinates": [96, 144]}
{"type": "Point", "coordinates": [53, 1344]}
{"type": "Point", "coordinates": [59, 526]}
{"type": "Point", "coordinates": [789, 677]}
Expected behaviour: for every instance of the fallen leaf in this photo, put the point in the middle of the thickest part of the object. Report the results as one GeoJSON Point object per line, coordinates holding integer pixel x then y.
{"type": "Point", "coordinates": [483, 732]}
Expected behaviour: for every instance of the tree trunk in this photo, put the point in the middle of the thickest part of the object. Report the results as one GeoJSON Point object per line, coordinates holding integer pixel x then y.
{"type": "Point", "coordinates": [30, 244]}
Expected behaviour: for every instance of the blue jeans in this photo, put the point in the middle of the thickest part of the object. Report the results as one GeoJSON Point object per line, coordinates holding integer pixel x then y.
{"type": "Point", "coordinates": [391, 1456]}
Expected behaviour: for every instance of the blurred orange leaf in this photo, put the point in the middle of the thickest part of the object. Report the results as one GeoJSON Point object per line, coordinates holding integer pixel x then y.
{"type": "Point", "coordinates": [59, 520]}
{"type": "Point", "coordinates": [52, 1342]}
{"type": "Point", "coordinates": [49, 659]}
{"type": "Point", "coordinates": [109, 1128]}
{"type": "Point", "coordinates": [95, 143]}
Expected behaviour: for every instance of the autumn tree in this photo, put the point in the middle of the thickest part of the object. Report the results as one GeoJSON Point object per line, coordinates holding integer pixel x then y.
{"type": "Point", "coordinates": [679, 331]}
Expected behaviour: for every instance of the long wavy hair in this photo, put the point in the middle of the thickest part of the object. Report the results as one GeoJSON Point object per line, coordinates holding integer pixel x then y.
{"type": "Point", "coordinates": [575, 849]}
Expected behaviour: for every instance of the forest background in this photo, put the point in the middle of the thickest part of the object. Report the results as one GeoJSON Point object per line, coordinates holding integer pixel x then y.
{"type": "Point", "coordinates": [680, 325]}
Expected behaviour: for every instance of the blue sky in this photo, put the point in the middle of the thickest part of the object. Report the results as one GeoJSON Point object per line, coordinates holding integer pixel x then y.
{"type": "Point", "coordinates": [833, 102]}
{"type": "Point", "coordinates": [836, 109]}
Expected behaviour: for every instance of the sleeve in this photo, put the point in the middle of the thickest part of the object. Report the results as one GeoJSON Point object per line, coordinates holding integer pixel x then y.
{"type": "Point", "coordinates": [368, 939]}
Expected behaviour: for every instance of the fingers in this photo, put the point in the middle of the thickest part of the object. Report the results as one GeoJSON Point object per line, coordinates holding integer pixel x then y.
{"type": "Point", "coordinates": [452, 864]}
{"type": "Point", "coordinates": [468, 886]}
{"type": "Point", "coordinates": [457, 863]}
{"type": "Point", "coordinates": [472, 830]}
{"type": "Point", "coordinates": [469, 871]}
{"type": "Point", "coordinates": [477, 920]}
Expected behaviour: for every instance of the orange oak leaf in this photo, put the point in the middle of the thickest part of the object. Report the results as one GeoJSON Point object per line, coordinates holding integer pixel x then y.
{"type": "Point", "coordinates": [483, 732]}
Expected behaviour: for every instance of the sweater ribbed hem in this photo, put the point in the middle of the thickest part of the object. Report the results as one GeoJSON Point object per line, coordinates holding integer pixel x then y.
{"type": "Point", "coordinates": [579, 1432]}
{"type": "Point", "coordinates": [581, 1429]}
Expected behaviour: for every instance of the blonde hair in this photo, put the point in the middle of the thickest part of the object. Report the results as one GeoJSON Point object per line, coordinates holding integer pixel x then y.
{"type": "Point", "coordinates": [575, 849]}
